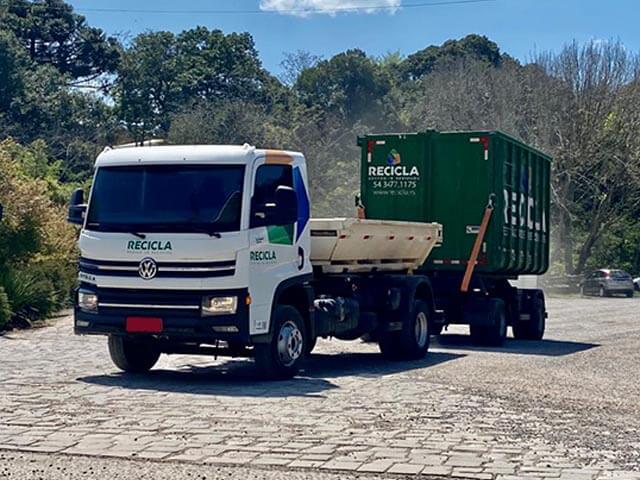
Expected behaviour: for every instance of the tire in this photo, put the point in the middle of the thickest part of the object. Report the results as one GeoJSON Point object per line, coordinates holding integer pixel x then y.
{"type": "Point", "coordinates": [280, 358]}
{"type": "Point", "coordinates": [412, 342]}
{"type": "Point", "coordinates": [629, 294]}
{"type": "Point", "coordinates": [533, 329]}
{"type": "Point", "coordinates": [495, 334]}
{"type": "Point", "coordinates": [311, 344]}
{"type": "Point", "coordinates": [602, 292]}
{"type": "Point", "coordinates": [133, 356]}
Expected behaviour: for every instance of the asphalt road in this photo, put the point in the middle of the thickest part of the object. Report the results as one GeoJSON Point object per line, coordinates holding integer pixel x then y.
{"type": "Point", "coordinates": [565, 407]}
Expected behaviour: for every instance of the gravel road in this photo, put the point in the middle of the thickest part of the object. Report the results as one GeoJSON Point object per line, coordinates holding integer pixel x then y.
{"type": "Point", "coordinates": [565, 407]}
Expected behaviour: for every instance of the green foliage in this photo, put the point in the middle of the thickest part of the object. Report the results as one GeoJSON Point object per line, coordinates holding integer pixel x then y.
{"type": "Point", "coordinates": [162, 73]}
{"type": "Point", "coordinates": [619, 248]}
{"type": "Point", "coordinates": [5, 308]}
{"type": "Point", "coordinates": [46, 50]}
{"type": "Point", "coordinates": [476, 47]}
{"type": "Point", "coordinates": [31, 293]}
{"type": "Point", "coordinates": [37, 247]}
{"type": "Point", "coordinates": [52, 34]}
{"type": "Point", "coordinates": [350, 85]}
{"type": "Point", "coordinates": [12, 70]}
{"type": "Point", "coordinates": [230, 122]}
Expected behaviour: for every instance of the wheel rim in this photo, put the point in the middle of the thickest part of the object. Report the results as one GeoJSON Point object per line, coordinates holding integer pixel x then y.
{"type": "Point", "coordinates": [421, 329]}
{"type": "Point", "coordinates": [290, 343]}
{"type": "Point", "coordinates": [601, 291]}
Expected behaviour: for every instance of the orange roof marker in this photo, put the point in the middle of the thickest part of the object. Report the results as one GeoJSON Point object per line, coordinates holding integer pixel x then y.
{"type": "Point", "coordinates": [278, 157]}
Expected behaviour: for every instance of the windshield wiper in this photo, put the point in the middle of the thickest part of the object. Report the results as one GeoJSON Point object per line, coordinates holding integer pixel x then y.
{"type": "Point", "coordinates": [186, 227]}
{"type": "Point", "coordinates": [109, 227]}
{"type": "Point", "coordinates": [201, 229]}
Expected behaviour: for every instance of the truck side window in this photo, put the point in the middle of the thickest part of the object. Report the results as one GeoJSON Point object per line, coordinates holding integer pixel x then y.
{"type": "Point", "coordinates": [268, 179]}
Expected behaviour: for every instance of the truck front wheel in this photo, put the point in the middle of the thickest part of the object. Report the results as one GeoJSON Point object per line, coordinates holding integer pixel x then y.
{"type": "Point", "coordinates": [280, 358]}
{"type": "Point", "coordinates": [133, 356]}
{"type": "Point", "coordinates": [412, 342]}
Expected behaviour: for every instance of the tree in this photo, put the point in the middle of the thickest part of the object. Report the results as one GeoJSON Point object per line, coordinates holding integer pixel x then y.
{"type": "Point", "coordinates": [52, 34]}
{"type": "Point", "coordinates": [148, 88]}
{"type": "Point", "coordinates": [349, 85]}
{"type": "Point", "coordinates": [12, 66]}
{"type": "Point", "coordinates": [214, 65]}
{"type": "Point", "coordinates": [596, 179]}
{"type": "Point", "coordinates": [476, 47]}
{"type": "Point", "coordinates": [232, 122]}
{"type": "Point", "coordinates": [294, 63]}
{"type": "Point", "coordinates": [162, 74]}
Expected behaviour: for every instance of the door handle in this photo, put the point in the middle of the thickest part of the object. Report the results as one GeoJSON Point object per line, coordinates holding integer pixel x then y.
{"type": "Point", "coordinates": [300, 258]}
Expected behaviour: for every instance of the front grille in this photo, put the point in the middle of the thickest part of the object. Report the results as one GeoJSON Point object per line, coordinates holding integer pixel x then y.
{"type": "Point", "coordinates": [113, 268]}
{"type": "Point", "coordinates": [164, 302]}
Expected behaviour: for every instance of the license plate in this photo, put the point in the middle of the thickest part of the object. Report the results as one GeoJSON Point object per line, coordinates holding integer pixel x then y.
{"type": "Point", "coordinates": [143, 325]}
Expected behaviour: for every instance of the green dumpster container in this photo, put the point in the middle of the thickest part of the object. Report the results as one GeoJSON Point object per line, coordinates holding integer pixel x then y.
{"type": "Point", "coordinates": [450, 178]}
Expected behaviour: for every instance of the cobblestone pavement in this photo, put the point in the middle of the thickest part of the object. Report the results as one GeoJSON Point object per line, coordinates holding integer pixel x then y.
{"type": "Point", "coordinates": [567, 407]}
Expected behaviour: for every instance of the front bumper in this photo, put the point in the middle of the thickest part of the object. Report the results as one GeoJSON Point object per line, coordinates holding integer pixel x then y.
{"type": "Point", "coordinates": [178, 324]}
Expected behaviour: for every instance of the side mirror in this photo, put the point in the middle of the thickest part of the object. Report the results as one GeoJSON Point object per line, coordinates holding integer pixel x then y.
{"type": "Point", "coordinates": [77, 207]}
{"type": "Point", "coordinates": [285, 209]}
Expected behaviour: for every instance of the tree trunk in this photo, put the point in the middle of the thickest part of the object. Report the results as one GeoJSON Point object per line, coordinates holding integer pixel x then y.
{"type": "Point", "coordinates": [566, 242]}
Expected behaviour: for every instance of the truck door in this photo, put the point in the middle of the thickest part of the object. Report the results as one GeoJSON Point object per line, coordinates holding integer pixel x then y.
{"type": "Point", "coordinates": [273, 253]}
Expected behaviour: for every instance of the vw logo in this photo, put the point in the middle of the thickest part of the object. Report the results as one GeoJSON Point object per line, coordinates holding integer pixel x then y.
{"type": "Point", "coordinates": [147, 268]}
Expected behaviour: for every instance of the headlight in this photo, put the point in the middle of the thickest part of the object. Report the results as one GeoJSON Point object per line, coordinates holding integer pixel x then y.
{"type": "Point", "coordinates": [219, 305]}
{"type": "Point", "coordinates": [88, 301]}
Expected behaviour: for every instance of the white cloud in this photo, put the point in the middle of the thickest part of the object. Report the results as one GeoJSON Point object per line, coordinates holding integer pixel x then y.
{"type": "Point", "coordinates": [304, 8]}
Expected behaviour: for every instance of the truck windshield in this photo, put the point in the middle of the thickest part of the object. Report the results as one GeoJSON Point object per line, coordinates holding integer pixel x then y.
{"type": "Point", "coordinates": [167, 198]}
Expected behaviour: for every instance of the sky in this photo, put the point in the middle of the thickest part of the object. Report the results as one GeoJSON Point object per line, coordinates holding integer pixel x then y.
{"type": "Point", "coordinates": [327, 27]}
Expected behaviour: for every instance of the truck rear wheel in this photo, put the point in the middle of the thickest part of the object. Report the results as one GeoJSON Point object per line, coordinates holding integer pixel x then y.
{"type": "Point", "coordinates": [133, 356]}
{"type": "Point", "coordinates": [495, 333]}
{"type": "Point", "coordinates": [280, 358]}
{"type": "Point", "coordinates": [412, 342]}
{"type": "Point", "coordinates": [311, 344]}
{"type": "Point", "coordinates": [532, 329]}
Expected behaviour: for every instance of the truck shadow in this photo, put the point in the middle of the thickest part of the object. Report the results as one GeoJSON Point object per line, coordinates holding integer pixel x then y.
{"type": "Point", "coordinates": [550, 348]}
{"type": "Point", "coordinates": [368, 364]}
{"type": "Point", "coordinates": [238, 378]}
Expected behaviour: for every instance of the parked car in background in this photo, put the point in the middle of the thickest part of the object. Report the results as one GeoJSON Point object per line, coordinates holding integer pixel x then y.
{"type": "Point", "coordinates": [605, 282]}
{"type": "Point", "coordinates": [636, 284]}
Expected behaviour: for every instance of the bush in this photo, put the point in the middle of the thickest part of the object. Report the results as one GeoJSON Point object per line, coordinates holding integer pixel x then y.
{"type": "Point", "coordinates": [32, 294]}
{"type": "Point", "coordinates": [37, 247]}
{"type": "Point", "coordinates": [5, 309]}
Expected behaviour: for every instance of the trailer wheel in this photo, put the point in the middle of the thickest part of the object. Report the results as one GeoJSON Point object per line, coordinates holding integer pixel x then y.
{"type": "Point", "coordinates": [280, 359]}
{"type": "Point", "coordinates": [133, 356]}
{"type": "Point", "coordinates": [495, 333]}
{"type": "Point", "coordinates": [532, 329]}
{"type": "Point", "coordinates": [412, 342]}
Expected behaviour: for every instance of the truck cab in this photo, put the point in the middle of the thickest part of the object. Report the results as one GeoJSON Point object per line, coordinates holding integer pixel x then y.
{"type": "Point", "coordinates": [188, 246]}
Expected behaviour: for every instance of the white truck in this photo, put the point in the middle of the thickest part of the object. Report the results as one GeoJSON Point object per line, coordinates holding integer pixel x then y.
{"type": "Point", "coordinates": [211, 250]}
